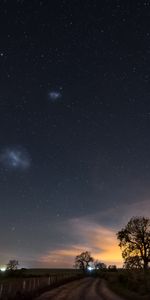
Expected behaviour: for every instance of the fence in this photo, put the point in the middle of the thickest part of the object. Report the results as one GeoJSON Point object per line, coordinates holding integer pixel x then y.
{"type": "Point", "coordinates": [22, 288]}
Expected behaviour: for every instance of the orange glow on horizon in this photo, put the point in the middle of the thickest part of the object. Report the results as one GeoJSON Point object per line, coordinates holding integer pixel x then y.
{"type": "Point", "coordinates": [100, 241]}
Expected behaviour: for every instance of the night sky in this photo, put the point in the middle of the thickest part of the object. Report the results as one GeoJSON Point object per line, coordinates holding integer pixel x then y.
{"type": "Point", "coordinates": [74, 127]}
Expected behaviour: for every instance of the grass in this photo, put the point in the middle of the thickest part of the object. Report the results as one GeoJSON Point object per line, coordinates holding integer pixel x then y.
{"type": "Point", "coordinates": [9, 276]}
{"type": "Point", "coordinates": [44, 272]}
{"type": "Point", "coordinates": [130, 285]}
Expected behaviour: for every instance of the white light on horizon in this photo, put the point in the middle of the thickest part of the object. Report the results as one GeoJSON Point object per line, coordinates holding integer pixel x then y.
{"type": "Point", "coordinates": [90, 268]}
{"type": "Point", "coordinates": [3, 269]}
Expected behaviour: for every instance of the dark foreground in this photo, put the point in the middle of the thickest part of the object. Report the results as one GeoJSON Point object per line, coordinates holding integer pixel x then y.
{"type": "Point", "coordinates": [83, 289]}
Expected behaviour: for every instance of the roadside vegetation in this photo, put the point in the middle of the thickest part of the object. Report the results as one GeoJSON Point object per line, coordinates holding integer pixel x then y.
{"type": "Point", "coordinates": [133, 280]}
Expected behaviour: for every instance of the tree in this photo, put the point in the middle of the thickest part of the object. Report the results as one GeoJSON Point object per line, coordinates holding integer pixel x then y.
{"type": "Point", "coordinates": [135, 242]}
{"type": "Point", "coordinates": [83, 260]}
{"type": "Point", "coordinates": [12, 265]}
{"type": "Point", "coordinates": [112, 268]}
{"type": "Point", "coordinates": [99, 265]}
{"type": "Point", "coordinates": [133, 262]}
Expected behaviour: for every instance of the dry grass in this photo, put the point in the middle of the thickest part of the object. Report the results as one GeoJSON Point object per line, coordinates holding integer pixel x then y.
{"type": "Point", "coordinates": [131, 285]}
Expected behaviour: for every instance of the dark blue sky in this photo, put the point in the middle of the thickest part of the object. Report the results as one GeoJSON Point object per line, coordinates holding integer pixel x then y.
{"type": "Point", "coordinates": [74, 126]}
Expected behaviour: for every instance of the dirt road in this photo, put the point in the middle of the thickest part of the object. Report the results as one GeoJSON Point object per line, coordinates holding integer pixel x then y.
{"type": "Point", "coordinates": [83, 289]}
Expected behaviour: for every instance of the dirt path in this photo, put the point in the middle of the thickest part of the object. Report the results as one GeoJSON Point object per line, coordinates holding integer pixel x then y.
{"type": "Point", "coordinates": [83, 289]}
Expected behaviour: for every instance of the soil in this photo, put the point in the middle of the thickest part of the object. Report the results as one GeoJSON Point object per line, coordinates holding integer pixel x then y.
{"type": "Point", "coordinates": [83, 289]}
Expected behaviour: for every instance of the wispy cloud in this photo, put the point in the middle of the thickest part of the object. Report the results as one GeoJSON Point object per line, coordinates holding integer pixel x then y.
{"type": "Point", "coordinates": [91, 233]}
{"type": "Point", "coordinates": [61, 241]}
{"type": "Point", "coordinates": [100, 241]}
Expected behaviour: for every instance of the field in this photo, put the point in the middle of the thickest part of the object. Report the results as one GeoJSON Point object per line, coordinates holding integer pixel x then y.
{"type": "Point", "coordinates": [29, 273]}
{"type": "Point", "coordinates": [44, 272]}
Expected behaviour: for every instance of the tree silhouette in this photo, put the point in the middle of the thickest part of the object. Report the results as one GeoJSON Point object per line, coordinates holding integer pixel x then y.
{"type": "Point", "coordinates": [99, 265]}
{"type": "Point", "coordinates": [135, 242]}
{"type": "Point", "coordinates": [133, 262]}
{"type": "Point", "coordinates": [12, 265]}
{"type": "Point", "coordinates": [83, 260]}
{"type": "Point", "coordinates": [112, 268]}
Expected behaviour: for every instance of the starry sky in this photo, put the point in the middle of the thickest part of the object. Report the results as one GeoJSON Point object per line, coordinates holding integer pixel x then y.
{"type": "Point", "coordinates": [74, 127]}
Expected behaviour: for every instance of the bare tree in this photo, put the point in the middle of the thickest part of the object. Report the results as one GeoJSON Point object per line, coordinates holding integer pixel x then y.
{"type": "Point", "coordinates": [135, 242]}
{"type": "Point", "coordinates": [112, 268]}
{"type": "Point", "coordinates": [99, 265]}
{"type": "Point", "coordinates": [83, 260]}
{"type": "Point", "coordinates": [12, 265]}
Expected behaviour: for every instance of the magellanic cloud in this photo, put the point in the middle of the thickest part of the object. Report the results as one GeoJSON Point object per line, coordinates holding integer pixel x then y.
{"type": "Point", "coordinates": [15, 158]}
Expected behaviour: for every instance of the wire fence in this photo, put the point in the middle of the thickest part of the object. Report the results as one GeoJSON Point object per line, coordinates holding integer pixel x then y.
{"type": "Point", "coordinates": [26, 288]}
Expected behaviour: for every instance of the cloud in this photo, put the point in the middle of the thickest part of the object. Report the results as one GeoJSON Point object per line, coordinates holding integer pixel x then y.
{"type": "Point", "coordinates": [91, 233]}
{"type": "Point", "coordinates": [118, 216]}
{"type": "Point", "coordinates": [61, 240]}
{"type": "Point", "coordinates": [100, 241]}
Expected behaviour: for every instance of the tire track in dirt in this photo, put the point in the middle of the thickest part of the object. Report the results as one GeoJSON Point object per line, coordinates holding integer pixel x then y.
{"type": "Point", "coordinates": [92, 293]}
{"type": "Point", "coordinates": [82, 289]}
{"type": "Point", "coordinates": [80, 292]}
{"type": "Point", "coordinates": [62, 292]}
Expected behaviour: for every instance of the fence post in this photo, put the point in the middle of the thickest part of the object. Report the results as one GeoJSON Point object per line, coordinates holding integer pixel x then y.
{"type": "Point", "coordinates": [24, 284]}
{"type": "Point", "coordinates": [38, 282]}
{"type": "Point", "coordinates": [1, 289]}
{"type": "Point", "coordinates": [9, 288]}
{"type": "Point", "coordinates": [49, 280]}
{"type": "Point", "coordinates": [34, 284]}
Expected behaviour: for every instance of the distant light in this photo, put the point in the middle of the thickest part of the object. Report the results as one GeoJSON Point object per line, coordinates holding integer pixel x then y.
{"type": "Point", "coordinates": [3, 269]}
{"type": "Point", "coordinates": [90, 268]}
